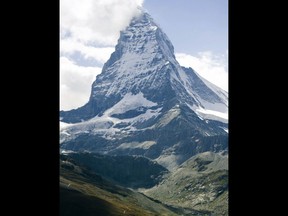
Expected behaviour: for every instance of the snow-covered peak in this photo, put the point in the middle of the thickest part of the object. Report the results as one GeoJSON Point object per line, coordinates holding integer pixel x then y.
{"type": "Point", "coordinates": [145, 103]}
{"type": "Point", "coordinates": [144, 62]}
{"type": "Point", "coordinates": [138, 63]}
{"type": "Point", "coordinates": [142, 37]}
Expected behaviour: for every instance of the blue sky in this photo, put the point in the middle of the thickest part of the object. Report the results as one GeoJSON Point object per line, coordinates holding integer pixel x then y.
{"type": "Point", "coordinates": [89, 30]}
{"type": "Point", "coordinates": [193, 26]}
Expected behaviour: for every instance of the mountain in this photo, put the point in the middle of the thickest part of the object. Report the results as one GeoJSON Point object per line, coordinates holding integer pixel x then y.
{"type": "Point", "coordinates": [127, 171]}
{"type": "Point", "coordinates": [144, 103]}
{"type": "Point", "coordinates": [83, 192]}
{"type": "Point", "coordinates": [199, 183]}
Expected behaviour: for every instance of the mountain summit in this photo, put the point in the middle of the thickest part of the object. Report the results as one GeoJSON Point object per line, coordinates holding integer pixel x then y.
{"type": "Point", "coordinates": [144, 103]}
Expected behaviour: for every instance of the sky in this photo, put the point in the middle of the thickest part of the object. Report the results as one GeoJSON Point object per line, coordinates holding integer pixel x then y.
{"type": "Point", "coordinates": [89, 30]}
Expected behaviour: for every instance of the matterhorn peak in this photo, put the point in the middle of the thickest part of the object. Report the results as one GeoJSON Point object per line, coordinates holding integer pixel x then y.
{"type": "Point", "coordinates": [145, 103]}
{"type": "Point", "coordinates": [144, 62]}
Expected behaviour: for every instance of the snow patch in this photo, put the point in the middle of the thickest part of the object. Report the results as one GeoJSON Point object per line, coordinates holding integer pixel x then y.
{"type": "Point", "coordinates": [63, 125]}
{"type": "Point", "coordinates": [219, 107]}
{"type": "Point", "coordinates": [153, 28]}
{"type": "Point", "coordinates": [105, 125]}
{"type": "Point", "coordinates": [225, 129]}
{"type": "Point", "coordinates": [133, 145]}
{"type": "Point", "coordinates": [130, 102]}
{"type": "Point", "coordinates": [210, 114]}
{"type": "Point", "coordinates": [206, 113]}
{"type": "Point", "coordinates": [65, 152]}
{"type": "Point", "coordinates": [200, 117]}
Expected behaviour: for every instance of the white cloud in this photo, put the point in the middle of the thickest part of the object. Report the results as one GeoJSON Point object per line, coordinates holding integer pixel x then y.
{"type": "Point", "coordinates": [100, 21]}
{"type": "Point", "coordinates": [101, 54]}
{"type": "Point", "coordinates": [211, 67]}
{"type": "Point", "coordinates": [90, 27]}
{"type": "Point", "coordinates": [75, 83]}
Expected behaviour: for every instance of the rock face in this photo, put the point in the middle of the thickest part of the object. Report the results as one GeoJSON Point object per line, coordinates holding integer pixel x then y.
{"type": "Point", "coordinates": [144, 103]}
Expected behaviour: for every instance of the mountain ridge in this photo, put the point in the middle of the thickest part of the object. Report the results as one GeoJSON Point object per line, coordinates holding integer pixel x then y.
{"type": "Point", "coordinates": [200, 183]}
{"type": "Point", "coordinates": [145, 103]}
{"type": "Point", "coordinates": [144, 61]}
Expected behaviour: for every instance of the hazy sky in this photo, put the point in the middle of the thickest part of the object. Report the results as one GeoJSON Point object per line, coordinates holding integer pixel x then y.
{"type": "Point", "coordinates": [89, 30]}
